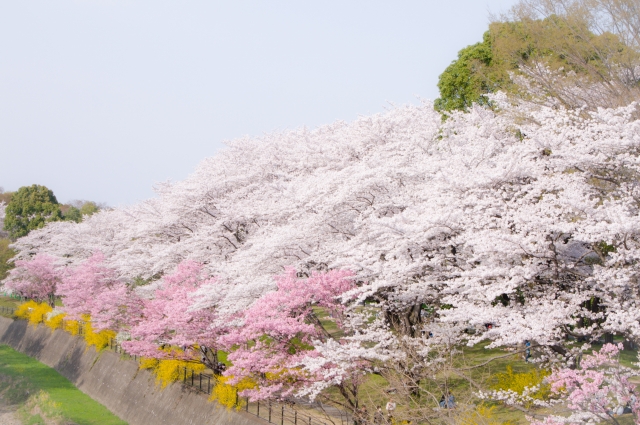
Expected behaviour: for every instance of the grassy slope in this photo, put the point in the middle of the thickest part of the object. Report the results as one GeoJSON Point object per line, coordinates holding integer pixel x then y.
{"type": "Point", "coordinates": [25, 376]}
{"type": "Point", "coordinates": [373, 390]}
{"type": "Point", "coordinates": [8, 302]}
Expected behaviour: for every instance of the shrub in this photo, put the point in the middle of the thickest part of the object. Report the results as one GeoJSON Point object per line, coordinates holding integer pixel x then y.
{"type": "Point", "coordinates": [532, 383]}
{"type": "Point", "coordinates": [54, 319]}
{"type": "Point", "coordinates": [227, 394]}
{"type": "Point", "coordinates": [167, 371]}
{"type": "Point", "coordinates": [33, 312]}
{"type": "Point", "coordinates": [99, 339]}
{"type": "Point", "coordinates": [480, 415]}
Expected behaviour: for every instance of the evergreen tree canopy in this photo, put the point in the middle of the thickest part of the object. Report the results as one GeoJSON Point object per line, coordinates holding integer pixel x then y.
{"type": "Point", "coordinates": [31, 207]}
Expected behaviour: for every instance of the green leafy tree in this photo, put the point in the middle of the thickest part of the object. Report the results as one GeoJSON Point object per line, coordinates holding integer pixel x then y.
{"type": "Point", "coordinates": [77, 210]}
{"type": "Point", "coordinates": [31, 207]}
{"type": "Point", "coordinates": [89, 208]}
{"type": "Point", "coordinates": [561, 52]}
{"type": "Point", "coordinates": [471, 77]}
{"type": "Point", "coordinates": [73, 214]}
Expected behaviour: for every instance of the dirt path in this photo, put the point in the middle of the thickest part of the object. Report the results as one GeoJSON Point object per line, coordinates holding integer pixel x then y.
{"type": "Point", "coordinates": [8, 415]}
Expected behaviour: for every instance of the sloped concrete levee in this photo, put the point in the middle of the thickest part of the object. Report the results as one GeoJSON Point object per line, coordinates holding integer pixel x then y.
{"type": "Point", "coordinates": [130, 393]}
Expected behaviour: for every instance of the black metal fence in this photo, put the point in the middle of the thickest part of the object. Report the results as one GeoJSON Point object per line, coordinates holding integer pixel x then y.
{"type": "Point", "coordinates": [272, 412]}
{"type": "Point", "coordinates": [282, 414]}
{"type": "Point", "coordinates": [7, 310]}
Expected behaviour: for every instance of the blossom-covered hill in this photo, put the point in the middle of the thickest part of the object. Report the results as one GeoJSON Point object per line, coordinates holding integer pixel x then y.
{"type": "Point", "coordinates": [512, 224]}
{"type": "Point", "coordinates": [481, 206]}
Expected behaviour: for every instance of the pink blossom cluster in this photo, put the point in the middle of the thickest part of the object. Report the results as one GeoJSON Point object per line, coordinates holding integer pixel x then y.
{"type": "Point", "coordinates": [278, 329]}
{"type": "Point", "coordinates": [37, 278]}
{"type": "Point", "coordinates": [266, 341]}
{"type": "Point", "coordinates": [599, 389]}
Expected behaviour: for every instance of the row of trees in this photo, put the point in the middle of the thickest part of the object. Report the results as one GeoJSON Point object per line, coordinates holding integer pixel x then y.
{"type": "Point", "coordinates": [530, 226]}
{"type": "Point", "coordinates": [515, 220]}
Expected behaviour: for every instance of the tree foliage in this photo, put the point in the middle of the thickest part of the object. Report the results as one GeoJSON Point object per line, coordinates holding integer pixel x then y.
{"type": "Point", "coordinates": [37, 279]}
{"type": "Point", "coordinates": [596, 392]}
{"type": "Point", "coordinates": [471, 77]}
{"type": "Point", "coordinates": [551, 49]}
{"type": "Point", "coordinates": [485, 228]}
{"type": "Point", "coordinates": [30, 208]}
{"type": "Point", "coordinates": [77, 210]}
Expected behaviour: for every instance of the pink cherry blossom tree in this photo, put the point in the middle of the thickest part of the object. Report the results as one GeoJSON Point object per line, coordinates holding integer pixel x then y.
{"type": "Point", "coordinates": [81, 285]}
{"type": "Point", "coordinates": [277, 332]}
{"type": "Point", "coordinates": [37, 278]}
{"type": "Point", "coordinates": [599, 390]}
{"type": "Point", "coordinates": [165, 317]}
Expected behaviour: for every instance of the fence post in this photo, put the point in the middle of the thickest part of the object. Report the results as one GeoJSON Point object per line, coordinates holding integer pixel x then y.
{"type": "Point", "coordinates": [185, 375]}
{"type": "Point", "coordinates": [208, 384]}
{"type": "Point", "coordinates": [295, 417]}
{"type": "Point", "coordinates": [258, 414]}
{"type": "Point", "coordinates": [200, 381]}
{"type": "Point", "coordinates": [192, 373]}
{"type": "Point", "coordinates": [269, 412]}
{"type": "Point", "coordinates": [282, 416]}
{"type": "Point", "coordinates": [247, 406]}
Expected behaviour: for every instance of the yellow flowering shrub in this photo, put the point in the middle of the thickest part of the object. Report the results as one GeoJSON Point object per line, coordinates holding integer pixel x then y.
{"type": "Point", "coordinates": [227, 394]}
{"type": "Point", "coordinates": [518, 382]}
{"type": "Point", "coordinates": [170, 370]}
{"type": "Point", "coordinates": [71, 326]}
{"type": "Point", "coordinates": [55, 322]}
{"type": "Point", "coordinates": [39, 313]}
{"type": "Point", "coordinates": [24, 310]}
{"type": "Point", "coordinates": [33, 312]}
{"type": "Point", "coordinates": [148, 363]}
{"type": "Point", "coordinates": [100, 339]}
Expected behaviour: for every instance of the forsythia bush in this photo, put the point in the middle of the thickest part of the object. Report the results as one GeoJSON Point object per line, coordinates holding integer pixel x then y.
{"type": "Point", "coordinates": [148, 363]}
{"type": "Point", "coordinates": [170, 370]}
{"type": "Point", "coordinates": [42, 313]}
{"type": "Point", "coordinates": [54, 320]}
{"type": "Point", "coordinates": [227, 394]}
{"type": "Point", "coordinates": [518, 382]}
{"type": "Point", "coordinates": [33, 312]}
{"type": "Point", "coordinates": [98, 339]}
{"type": "Point", "coordinates": [72, 327]}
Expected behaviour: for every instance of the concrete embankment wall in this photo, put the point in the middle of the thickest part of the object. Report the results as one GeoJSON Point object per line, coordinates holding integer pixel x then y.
{"type": "Point", "coordinates": [130, 393]}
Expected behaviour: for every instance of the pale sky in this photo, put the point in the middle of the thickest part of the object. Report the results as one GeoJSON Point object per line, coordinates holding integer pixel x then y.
{"type": "Point", "coordinates": [100, 99]}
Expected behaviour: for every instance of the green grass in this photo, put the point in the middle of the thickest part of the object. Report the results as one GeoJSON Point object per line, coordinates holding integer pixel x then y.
{"type": "Point", "coordinates": [8, 302]}
{"type": "Point", "coordinates": [24, 380]}
{"type": "Point", "coordinates": [327, 322]}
